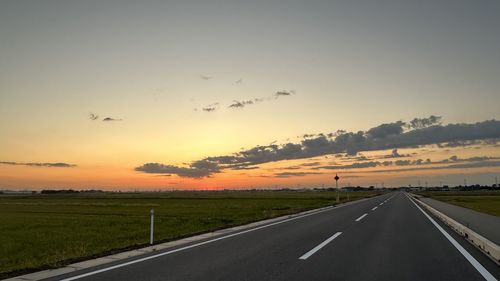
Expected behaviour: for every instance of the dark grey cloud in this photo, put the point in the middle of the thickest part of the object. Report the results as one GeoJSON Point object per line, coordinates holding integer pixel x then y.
{"type": "Point", "coordinates": [406, 162]}
{"type": "Point", "coordinates": [420, 123]}
{"type": "Point", "coordinates": [386, 130]}
{"type": "Point", "coordinates": [109, 119]}
{"type": "Point", "coordinates": [244, 168]}
{"type": "Point", "coordinates": [36, 164]}
{"type": "Point", "coordinates": [294, 174]}
{"type": "Point", "coordinates": [196, 170]}
{"type": "Point", "coordinates": [386, 136]}
{"type": "Point", "coordinates": [481, 164]}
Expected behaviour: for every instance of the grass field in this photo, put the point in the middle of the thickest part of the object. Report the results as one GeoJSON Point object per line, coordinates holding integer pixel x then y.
{"type": "Point", "coordinates": [486, 202]}
{"type": "Point", "coordinates": [46, 231]}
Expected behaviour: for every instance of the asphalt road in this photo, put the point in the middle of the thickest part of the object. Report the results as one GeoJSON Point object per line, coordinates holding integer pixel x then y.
{"type": "Point", "coordinates": [384, 238]}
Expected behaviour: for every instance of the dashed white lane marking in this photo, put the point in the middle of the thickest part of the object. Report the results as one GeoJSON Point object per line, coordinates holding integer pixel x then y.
{"type": "Point", "coordinates": [360, 218]}
{"type": "Point", "coordinates": [381, 204]}
{"type": "Point", "coordinates": [459, 247]}
{"type": "Point", "coordinates": [317, 248]}
{"type": "Point", "coordinates": [374, 208]}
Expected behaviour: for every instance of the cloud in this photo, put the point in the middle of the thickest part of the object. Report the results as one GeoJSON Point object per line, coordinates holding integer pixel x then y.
{"type": "Point", "coordinates": [35, 164]}
{"type": "Point", "coordinates": [243, 103]}
{"type": "Point", "coordinates": [283, 93]}
{"type": "Point", "coordinates": [239, 81]}
{"type": "Point", "coordinates": [482, 164]}
{"type": "Point", "coordinates": [294, 174]}
{"type": "Point", "coordinates": [420, 123]}
{"type": "Point", "coordinates": [416, 162]}
{"type": "Point", "coordinates": [311, 164]}
{"type": "Point", "coordinates": [382, 137]}
{"type": "Point", "coordinates": [386, 130]}
{"type": "Point", "coordinates": [93, 116]}
{"type": "Point", "coordinates": [244, 168]}
{"type": "Point", "coordinates": [356, 165]}
{"type": "Point", "coordinates": [395, 154]}
{"type": "Point", "coordinates": [290, 168]}
{"type": "Point", "coordinates": [460, 143]}
{"type": "Point", "coordinates": [455, 158]}
{"type": "Point", "coordinates": [188, 172]}
{"type": "Point", "coordinates": [109, 119]}
{"type": "Point", "coordinates": [205, 77]}
{"type": "Point", "coordinates": [211, 107]}
{"type": "Point", "coordinates": [240, 104]}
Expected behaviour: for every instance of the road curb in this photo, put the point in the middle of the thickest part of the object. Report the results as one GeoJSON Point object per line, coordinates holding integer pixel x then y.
{"type": "Point", "coordinates": [488, 247]}
{"type": "Point", "coordinates": [40, 275]}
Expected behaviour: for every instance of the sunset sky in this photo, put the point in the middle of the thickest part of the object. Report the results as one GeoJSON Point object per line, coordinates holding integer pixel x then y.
{"type": "Point", "coordinates": [248, 94]}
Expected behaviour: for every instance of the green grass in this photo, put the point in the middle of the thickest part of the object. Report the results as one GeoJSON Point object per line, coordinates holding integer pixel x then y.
{"type": "Point", "coordinates": [486, 202]}
{"type": "Point", "coordinates": [47, 231]}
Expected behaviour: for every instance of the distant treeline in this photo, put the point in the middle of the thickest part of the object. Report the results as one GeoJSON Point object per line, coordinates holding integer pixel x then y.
{"type": "Point", "coordinates": [68, 191]}
{"type": "Point", "coordinates": [474, 187]}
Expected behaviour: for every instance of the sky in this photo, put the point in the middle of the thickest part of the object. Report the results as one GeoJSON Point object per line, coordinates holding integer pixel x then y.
{"type": "Point", "coordinates": [159, 95]}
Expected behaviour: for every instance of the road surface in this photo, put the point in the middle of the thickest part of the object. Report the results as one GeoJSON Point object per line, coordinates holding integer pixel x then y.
{"type": "Point", "coordinates": [383, 238]}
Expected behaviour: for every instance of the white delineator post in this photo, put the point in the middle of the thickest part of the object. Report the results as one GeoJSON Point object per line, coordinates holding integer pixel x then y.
{"type": "Point", "coordinates": [152, 226]}
{"type": "Point", "coordinates": [336, 178]}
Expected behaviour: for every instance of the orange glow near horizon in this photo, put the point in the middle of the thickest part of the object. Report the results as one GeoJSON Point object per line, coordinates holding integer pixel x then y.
{"type": "Point", "coordinates": [266, 176]}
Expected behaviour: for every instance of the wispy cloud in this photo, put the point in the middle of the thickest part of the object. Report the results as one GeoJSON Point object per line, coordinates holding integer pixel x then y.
{"type": "Point", "coordinates": [359, 165]}
{"type": "Point", "coordinates": [210, 107]}
{"type": "Point", "coordinates": [294, 174]}
{"type": "Point", "coordinates": [385, 136]}
{"type": "Point", "coordinates": [284, 93]}
{"type": "Point", "coordinates": [93, 116]}
{"type": "Point", "coordinates": [311, 164]}
{"type": "Point", "coordinates": [205, 77]}
{"type": "Point", "coordinates": [38, 164]}
{"type": "Point", "coordinates": [240, 104]}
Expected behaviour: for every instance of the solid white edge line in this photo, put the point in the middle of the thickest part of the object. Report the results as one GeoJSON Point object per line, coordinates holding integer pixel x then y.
{"type": "Point", "coordinates": [374, 208]}
{"type": "Point", "coordinates": [199, 244]}
{"type": "Point", "coordinates": [483, 271]}
{"type": "Point", "coordinates": [317, 248]}
{"type": "Point", "coordinates": [360, 218]}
